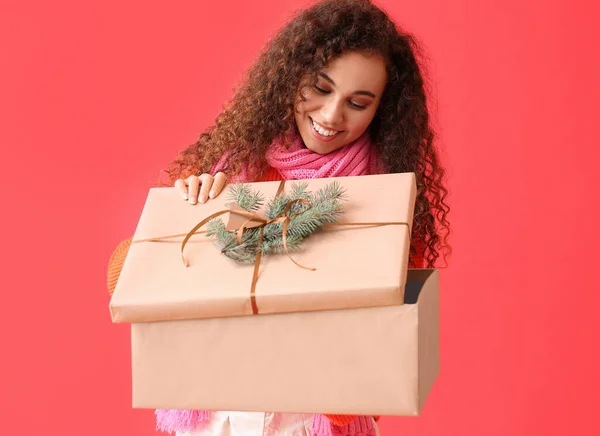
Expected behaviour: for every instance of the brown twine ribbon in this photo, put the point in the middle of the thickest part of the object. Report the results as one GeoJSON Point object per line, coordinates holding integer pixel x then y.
{"type": "Point", "coordinates": [284, 217]}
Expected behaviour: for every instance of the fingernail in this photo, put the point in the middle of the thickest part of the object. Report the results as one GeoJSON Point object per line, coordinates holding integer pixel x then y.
{"type": "Point", "coordinates": [212, 194]}
{"type": "Point", "coordinates": [185, 196]}
{"type": "Point", "coordinates": [203, 198]}
{"type": "Point", "coordinates": [191, 200]}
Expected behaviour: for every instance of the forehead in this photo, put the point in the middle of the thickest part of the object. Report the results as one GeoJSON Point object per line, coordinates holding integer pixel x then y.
{"type": "Point", "coordinates": [358, 71]}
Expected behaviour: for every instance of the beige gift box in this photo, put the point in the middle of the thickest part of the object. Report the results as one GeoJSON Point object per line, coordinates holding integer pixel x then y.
{"type": "Point", "coordinates": [357, 336]}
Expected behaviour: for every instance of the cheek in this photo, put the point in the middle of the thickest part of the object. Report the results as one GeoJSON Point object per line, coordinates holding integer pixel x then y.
{"type": "Point", "coordinates": [361, 120]}
{"type": "Point", "coordinates": [304, 107]}
{"type": "Point", "coordinates": [299, 108]}
{"type": "Point", "coordinates": [311, 103]}
{"type": "Point", "coordinates": [304, 104]}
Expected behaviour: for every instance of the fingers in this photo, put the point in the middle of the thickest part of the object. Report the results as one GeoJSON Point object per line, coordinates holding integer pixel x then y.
{"type": "Point", "coordinates": [181, 186]}
{"type": "Point", "coordinates": [193, 183]}
{"type": "Point", "coordinates": [218, 185]}
{"type": "Point", "coordinates": [206, 182]}
{"type": "Point", "coordinates": [200, 188]}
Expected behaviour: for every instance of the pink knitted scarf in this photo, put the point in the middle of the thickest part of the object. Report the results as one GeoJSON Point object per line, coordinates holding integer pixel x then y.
{"type": "Point", "coordinates": [294, 163]}
{"type": "Point", "coordinates": [298, 162]}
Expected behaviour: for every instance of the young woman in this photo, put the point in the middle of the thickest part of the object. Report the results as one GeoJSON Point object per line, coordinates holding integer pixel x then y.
{"type": "Point", "coordinates": [337, 92]}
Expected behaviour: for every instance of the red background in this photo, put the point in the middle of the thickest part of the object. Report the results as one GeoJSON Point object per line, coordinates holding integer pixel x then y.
{"type": "Point", "coordinates": [98, 96]}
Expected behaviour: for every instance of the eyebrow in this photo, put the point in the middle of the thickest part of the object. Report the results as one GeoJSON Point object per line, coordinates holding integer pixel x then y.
{"type": "Point", "coordinates": [330, 80]}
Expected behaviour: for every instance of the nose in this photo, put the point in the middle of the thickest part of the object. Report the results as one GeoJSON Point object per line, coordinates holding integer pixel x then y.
{"type": "Point", "coordinates": [332, 112]}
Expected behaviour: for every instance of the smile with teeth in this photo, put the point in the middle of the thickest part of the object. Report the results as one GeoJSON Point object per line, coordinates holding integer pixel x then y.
{"type": "Point", "coordinates": [322, 130]}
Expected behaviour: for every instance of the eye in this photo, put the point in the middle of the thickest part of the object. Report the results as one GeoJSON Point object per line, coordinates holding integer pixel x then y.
{"type": "Point", "coordinates": [321, 90]}
{"type": "Point", "coordinates": [356, 105]}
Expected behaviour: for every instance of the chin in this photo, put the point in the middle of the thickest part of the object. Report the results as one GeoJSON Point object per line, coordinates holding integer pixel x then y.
{"type": "Point", "coordinates": [318, 148]}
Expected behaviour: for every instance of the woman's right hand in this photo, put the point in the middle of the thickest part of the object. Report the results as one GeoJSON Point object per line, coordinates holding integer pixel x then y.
{"type": "Point", "coordinates": [201, 188]}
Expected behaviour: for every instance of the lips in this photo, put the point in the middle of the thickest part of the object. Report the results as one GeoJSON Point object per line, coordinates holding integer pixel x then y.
{"type": "Point", "coordinates": [321, 133]}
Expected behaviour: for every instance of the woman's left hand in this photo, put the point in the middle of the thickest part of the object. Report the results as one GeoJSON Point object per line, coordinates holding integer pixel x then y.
{"type": "Point", "coordinates": [201, 188]}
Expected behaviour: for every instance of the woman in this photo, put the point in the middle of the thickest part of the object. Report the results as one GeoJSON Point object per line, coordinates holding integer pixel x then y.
{"type": "Point", "coordinates": [337, 92]}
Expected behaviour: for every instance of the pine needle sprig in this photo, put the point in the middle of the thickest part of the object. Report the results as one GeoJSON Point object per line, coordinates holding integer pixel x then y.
{"type": "Point", "coordinates": [245, 197]}
{"type": "Point", "coordinates": [325, 207]}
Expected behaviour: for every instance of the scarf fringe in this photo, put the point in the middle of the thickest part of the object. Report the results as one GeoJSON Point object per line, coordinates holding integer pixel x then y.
{"type": "Point", "coordinates": [174, 420]}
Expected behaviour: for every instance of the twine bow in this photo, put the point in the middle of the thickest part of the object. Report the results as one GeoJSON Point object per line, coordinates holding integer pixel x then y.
{"type": "Point", "coordinates": [284, 217]}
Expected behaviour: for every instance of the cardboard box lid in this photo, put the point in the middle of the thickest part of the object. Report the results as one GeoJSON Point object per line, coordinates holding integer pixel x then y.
{"type": "Point", "coordinates": [356, 266]}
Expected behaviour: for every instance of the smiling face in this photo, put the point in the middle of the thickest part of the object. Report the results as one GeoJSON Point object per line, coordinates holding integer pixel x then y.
{"type": "Point", "coordinates": [344, 101]}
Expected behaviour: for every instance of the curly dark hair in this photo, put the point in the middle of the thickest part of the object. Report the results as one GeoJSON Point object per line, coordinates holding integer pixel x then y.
{"type": "Point", "coordinates": [263, 105]}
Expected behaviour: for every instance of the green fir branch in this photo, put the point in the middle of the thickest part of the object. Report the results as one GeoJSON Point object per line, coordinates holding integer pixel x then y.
{"type": "Point", "coordinates": [325, 207]}
{"type": "Point", "coordinates": [244, 197]}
